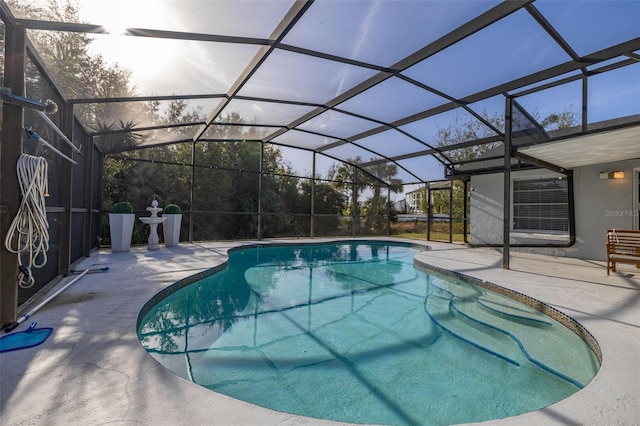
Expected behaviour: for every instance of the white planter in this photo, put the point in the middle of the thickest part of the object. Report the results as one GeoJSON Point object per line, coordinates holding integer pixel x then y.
{"type": "Point", "coordinates": [121, 230]}
{"type": "Point", "coordinates": [171, 229]}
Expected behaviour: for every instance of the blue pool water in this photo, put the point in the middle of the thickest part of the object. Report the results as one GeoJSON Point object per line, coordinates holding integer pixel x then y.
{"type": "Point", "coordinates": [354, 332]}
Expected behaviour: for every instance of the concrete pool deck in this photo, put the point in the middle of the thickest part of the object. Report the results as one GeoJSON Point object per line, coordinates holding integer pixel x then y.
{"type": "Point", "coordinates": [92, 370]}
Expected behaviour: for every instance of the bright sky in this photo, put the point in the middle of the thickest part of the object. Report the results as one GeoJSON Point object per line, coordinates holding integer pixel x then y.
{"type": "Point", "coordinates": [378, 32]}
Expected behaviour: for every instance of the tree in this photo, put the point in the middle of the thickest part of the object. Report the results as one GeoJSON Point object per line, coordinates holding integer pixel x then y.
{"type": "Point", "coordinates": [72, 67]}
{"type": "Point", "coordinates": [441, 201]}
{"type": "Point", "coordinates": [349, 180]}
{"type": "Point", "coordinates": [562, 120]}
{"type": "Point", "coordinates": [467, 130]}
{"type": "Point", "coordinates": [226, 165]}
{"type": "Point", "coordinates": [346, 178]}
{"type": "Point", "coordinates": [327, 201]}
{"type": "Point", "coordinates": [79, 73]}
{"type": "Point", "coordinates": [381, 172]}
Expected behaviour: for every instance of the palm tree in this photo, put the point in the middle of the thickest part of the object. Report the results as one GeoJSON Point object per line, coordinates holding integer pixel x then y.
{"type": "Point", "coordinates": [381, 174]}
{"type": "Point", "coordinates": [345, 177]}
{"type": "Point", "coordinates": [117, 136]}
{"type": "Point", "coordinates": [376, 177]}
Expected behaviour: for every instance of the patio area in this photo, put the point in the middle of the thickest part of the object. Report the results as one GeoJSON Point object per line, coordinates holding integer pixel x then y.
{"type": "Point", "coordinates": [93, 370]}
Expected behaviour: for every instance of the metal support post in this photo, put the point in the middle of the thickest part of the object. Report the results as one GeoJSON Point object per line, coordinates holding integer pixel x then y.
{"type": "Point", "coordinates": [465, 211]}
{"type": "Point", "coordinates": [429, 210]}
{"type": "Point", "coordinates": [10, 152]}
{"type": "Point", "coordinates": [66, 193]}
{"type": "Point", "coordinates": [260, 191]}
{"type": "Point", "coordinates": [451, 211]}
{"type": "Point", "coordinates": [313, 196]}
{"type": "Point", "coordinates": [193, 190]}
{"type": "Point", "coordinates": [506, 230]}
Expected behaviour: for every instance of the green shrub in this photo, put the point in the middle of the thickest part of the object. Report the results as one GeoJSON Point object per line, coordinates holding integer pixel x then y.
{"type": "Point", "coordinates": [122, 207]}
{"type": "Point", "coordinates": [172, 209]}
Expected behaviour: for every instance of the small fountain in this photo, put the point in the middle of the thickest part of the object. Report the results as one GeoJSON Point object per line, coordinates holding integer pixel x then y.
{"type": "Point", "coordinates": [153, 221]}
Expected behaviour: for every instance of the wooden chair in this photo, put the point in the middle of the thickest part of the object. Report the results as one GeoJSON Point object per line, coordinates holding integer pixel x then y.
{"type": "Point", "coordinates": [622, 246]}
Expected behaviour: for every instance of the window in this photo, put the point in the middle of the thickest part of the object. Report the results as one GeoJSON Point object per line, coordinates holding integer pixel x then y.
{"type": "Point", "coordinates": [540, 205]}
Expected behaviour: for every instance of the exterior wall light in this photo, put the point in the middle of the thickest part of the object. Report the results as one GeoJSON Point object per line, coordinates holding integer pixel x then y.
{"type": "Point", "coordinates": [612, 175]}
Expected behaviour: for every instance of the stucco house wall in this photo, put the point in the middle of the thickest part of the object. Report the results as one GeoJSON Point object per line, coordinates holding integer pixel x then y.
{"type": "Point", "coordinates": [600, 204]}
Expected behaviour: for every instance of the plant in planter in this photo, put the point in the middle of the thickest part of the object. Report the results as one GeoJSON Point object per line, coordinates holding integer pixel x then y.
{"type": "Point", "coordinates": [121, 221]}
{"type": "Point", "coordinates": [171, 226]}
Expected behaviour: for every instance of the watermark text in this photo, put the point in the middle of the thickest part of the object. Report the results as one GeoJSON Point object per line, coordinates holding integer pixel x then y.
{"type": "Point", "coordinates": [622, 213]}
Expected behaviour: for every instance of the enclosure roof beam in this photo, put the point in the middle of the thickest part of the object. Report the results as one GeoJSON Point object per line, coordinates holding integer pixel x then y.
{"type": "Point", "coordinates": [473, 26]}
{"type": "Point", "coordinates": [536, 162]}
{"type": "Point", "coordinates": [295, 13]}
{"type": "Point", "coordinates": [143, 98]}
{"type": "Point", "coordinates": [446, 148]}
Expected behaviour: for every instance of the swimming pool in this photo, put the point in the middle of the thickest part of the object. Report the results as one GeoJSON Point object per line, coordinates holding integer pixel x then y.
{"type": "Point", "coordinates": [354, 332]}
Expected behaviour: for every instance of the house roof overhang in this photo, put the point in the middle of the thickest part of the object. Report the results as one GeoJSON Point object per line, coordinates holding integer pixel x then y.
{"type": "Point", "coordinates": [596, 148]}
{"type": "Point", "coordinates": [603, 142]}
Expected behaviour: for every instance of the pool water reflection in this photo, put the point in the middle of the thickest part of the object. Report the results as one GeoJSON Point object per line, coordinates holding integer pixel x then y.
{"type": "Point", "coordinates": [354, 332]}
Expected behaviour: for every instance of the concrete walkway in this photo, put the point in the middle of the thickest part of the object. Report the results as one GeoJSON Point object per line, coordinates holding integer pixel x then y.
{"type": "Point", "coordinates": [93, 371]}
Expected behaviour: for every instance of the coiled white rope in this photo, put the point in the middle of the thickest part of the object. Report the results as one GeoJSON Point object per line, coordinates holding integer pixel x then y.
{"type": "Point", "coordinates": [30, 229]}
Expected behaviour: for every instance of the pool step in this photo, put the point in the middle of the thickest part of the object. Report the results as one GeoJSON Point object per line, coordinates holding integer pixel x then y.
{"type": "Point", "coordinates": [512, 311]}
{"type": "Point", "coordinates": [484, 328]}
{"type": "Point", "coordinates": [438, 306]}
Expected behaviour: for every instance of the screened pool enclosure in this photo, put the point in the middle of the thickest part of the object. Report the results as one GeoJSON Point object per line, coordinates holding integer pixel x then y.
{"type": "Point", "coordinates": [283, 118]}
